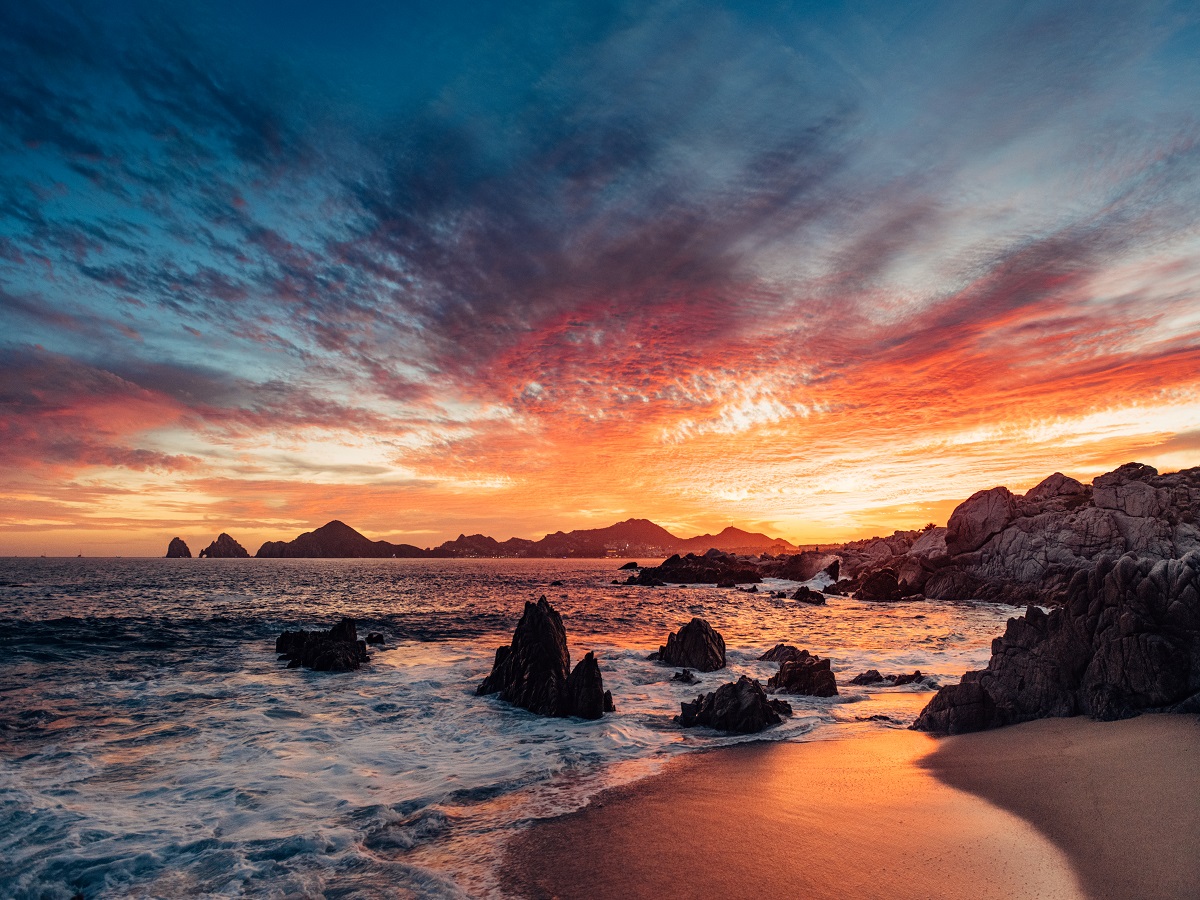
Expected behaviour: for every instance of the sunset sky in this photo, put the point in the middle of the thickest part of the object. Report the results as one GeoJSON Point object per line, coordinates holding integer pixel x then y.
{"type": "Point", "coordinates": [820, 270]}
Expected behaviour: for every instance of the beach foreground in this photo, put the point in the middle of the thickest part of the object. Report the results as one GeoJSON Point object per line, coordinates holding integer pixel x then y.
{"type": "Point", "coordinates": [1121, 799]}
{"type": "Point", "coordinates": [889, 815]}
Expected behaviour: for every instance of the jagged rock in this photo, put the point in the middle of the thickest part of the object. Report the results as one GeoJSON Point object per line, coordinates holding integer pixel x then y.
{"type": "Point", "coordinates": [335, 650]}
{"type": "Point", "coordinates": [695, 646]}
{"type": "Point", "coordinates": [714, 567]}
{"type": "Point", "coordinates": [782, 653]}
{"type": "Point", "coordinates": [630, 565]}
{"type": "Point", "coordinates": [532, 671]}
{"type": "Point", "coordinates": [982, 515]}
{"type": "Point", "coordinates": [742, 707]}
{"type": "Point", "coordinates": [833, 569]}
{"type": "Point", "coordinates": [804, 674]}
{"type": "Point", "coordinates": [809, 596]}
{"type": "Point", "coordinates": [177, 549]}
{"type": "Point", "coordinates": [224, 547]}
{"type": "Point", "coordinates": [687, 676]}
{"type": "Point", "coordinates": [872, 677]}
{"type": "Point", "coordinates": [879, 587]}
{"type": "Point", "coordinates": [1127, 639]}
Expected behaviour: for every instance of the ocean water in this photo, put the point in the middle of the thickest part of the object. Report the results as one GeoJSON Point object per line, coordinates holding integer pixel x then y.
{"type": "Point", "coordinates": [152, 745]}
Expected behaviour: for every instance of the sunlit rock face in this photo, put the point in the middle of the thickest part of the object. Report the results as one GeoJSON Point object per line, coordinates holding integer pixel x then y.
{"type": "Point", "coordinates": [224, 547]}
{"type": "Point", "coordinates": [697, 645]}
{"type": "Point", "coordinates": [178, 549]}
{"type": "Point", "coordinates": [1126, 640]}
{"type": "Point", "coordinates": [1025, 549]}
{"type": "Point", "coordinates": [534, 670]}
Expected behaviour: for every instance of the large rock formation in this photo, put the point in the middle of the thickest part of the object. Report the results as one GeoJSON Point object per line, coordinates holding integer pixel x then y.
{"type": "Point", "coordinates": [335, 650]}
{"type": "Point", "coordinates": [177, 549]}
{"type": "Point", "coordinates": [697, 645]}
{"type": "Point", "coordinates": [1127, 639]}
{"type": "Point", "coordinates": [804, 673]}
{"type": "Point", "coordinates": [880, 587]}
{"type": "Point", "coordinates": [714, 567]}
{"type": "Point", "coordinates": [742, 706]}
{"type": "Point", "coordinates": [336, 540]}
{"type": "Point", "coordinates": [224, 547]}
{"type": "Point", "coordinates": [532, 671]}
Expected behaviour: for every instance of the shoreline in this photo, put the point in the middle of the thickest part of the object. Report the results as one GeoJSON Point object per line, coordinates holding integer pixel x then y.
{"type": "Point", "coordinates": [1056, 808]}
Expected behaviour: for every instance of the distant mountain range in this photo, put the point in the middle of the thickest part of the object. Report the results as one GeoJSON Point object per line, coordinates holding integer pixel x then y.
{"type": "Point", "coordinates": [631, 538]}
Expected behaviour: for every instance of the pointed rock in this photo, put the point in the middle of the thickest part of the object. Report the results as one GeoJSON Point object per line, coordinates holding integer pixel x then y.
{"type": "Point", "coordinates": [178, 549]}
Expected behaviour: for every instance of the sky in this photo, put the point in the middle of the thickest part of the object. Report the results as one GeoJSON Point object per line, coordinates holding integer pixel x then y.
{"type": "Point", "coordinates": [816, 269]}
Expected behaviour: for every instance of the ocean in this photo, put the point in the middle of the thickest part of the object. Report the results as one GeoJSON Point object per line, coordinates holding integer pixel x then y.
{"type": "Point", "coordinates": [151, 745]}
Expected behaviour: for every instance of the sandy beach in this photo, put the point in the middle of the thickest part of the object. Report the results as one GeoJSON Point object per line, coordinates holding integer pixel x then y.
{"type": "Point", "coordinates": [1052, 809]}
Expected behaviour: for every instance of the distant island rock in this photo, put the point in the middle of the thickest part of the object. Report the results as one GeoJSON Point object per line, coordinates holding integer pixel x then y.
{"type": "Point", "coordinates": [1127, 640]}
{"type": "Point", "coordinates": [336, 540]}
{"type": "Point", "coordinates": [534, 670]}
{"type": "Point", "coordinates": [713, 567]}
{"type": "Point", "coordinates": [178, 549]}
{"type": "Point", "coordinates": [224, 547]}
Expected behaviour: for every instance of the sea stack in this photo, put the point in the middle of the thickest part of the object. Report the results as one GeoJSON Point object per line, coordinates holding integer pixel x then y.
{"type": "Point", "coordinates": [178, 549]}
{"type": "Point", "coordinates": [224, 547]}
{"type": "Point", "coordinates": [697, 645]}
{"type": "Point", "coordinates": [532, 671]}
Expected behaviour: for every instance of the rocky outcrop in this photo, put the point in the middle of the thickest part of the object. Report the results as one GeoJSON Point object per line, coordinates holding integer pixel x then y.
{"type": "Point", "coordinates": [804, 674]}
{"type": "Point", "coordinates": [714, 567]}
{"type": "Point", "coordinates": [534, 670]}
{"type": "Point", "coordinates": [177, 549]}
{"type": "Point", "coordinates": [686, 676]}
{"type": "Point", "coordinates": [224, 547]}
{"type": "Point", "coordinates": [742, 707]}
{"type": "Point", "coordinates": [1126, 640]}
{"type": "Point", "coordinates": [809, 596]}
{"type": "Point", "coordinates": [335, 650]}
{"type": "Point", "coordinates": [872, 677]}
{"type": "Point", "coordinates": [977, 519]}
{"type": "Point", "coordinates": [697, 645]}
{"type": "Point", "coordinates": [782, 653]}
{"type": "Point", "coordinates": [879, 587]}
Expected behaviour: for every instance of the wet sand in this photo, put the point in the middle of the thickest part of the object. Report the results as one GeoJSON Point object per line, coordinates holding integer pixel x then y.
{"type": "Point", "coordinates": [1122, 799]}
{"type": "Point", "coordinates": [855, 818]}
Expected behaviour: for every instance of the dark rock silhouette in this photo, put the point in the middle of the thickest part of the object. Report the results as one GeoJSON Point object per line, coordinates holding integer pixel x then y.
{"type": "Point", "coordinates": [374, 638]}
{"type": "Point", "coordinates": [1126, 640]}
{"type": "Point", "coordinates": [872, 677]}
{"type": "Point", "coordinates": [781, 653]}
{"type": "Point", "coordinates": [804, 674]}
{"type": "Point", "coordinates": [335, 650]}
{"type": "Point", "coordinates": [630, 565]}
{"type": "Point", "coordinates": [224, 547]}
{"type": "Point", "coordinates": [879, 587]}
{"type": "Point", "coordinates": [687, 676]}
{"type": "Point", "coordinates": [742, 707]}
{"type": "Point", "coordinates": [714, 567]}
{"type": "Point", "coordinates": [336, 540]}
{"type": "Point", "coordinates": [532, 671]}
{"type": "Point", "coordinates": [695, 646]}
{"type": "Point", "coordinates": [809, 596]}
{"type": "Point", "coordinates": [178, 549]}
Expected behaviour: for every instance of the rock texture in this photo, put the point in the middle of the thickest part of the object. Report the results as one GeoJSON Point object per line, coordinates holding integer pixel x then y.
{"type": "Point", "coordinates": [534, 671]}
{"type": "Point", "coordinates": [742, 707]}
{"type": "Point", "coordinates": [809, 596]}
{"type": "Point", "coordinates": [1127, 639]}
{"type": "Point", "coordinates": [782, 653]}
{"type": "Point", "coordinates": [178, 549]}
{"type": "Point", "coordinates": [224, 547]}
{"type": "Point", "coordinates": [880, 587]}
{"type": "Point", "coordinates": [714, 567]}
{"type": "Point", "coordinates": [804, 674]}
{"type": "Point", "coordinates": [335, 650]}
{"type": "Point", "coordinates": [697, 645]}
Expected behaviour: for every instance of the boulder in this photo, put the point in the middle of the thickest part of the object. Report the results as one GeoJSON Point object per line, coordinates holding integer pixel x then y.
{"type": "Point", "coordinates": [177, 549]}
{"type": "Point", "coordinates": [982, 515]}
{"type": "Point", "coordinates": [224, 547]}
{"type": "Point", "coordinates": [686, 676]}
{"type": "Point", "coordinates": [1126, 640]}
{"type": "Point", "coordinates": [809, 596]}
{"type": "Point", "coordinates": [630, 565]}
{"type": "Point", "coordinates": [872, 676]}
{"type": "Point", "coordinates": [697, 645]}
{"type": "Point", "coordinates": [742, 707]}
{"type": "Point", "coordinates": [782, 653]}
{"type": "Point", "coordinates": [534, 670]}
{"type": "Point", "coordinates": [335, 650]}
{"type": "Point", "coordinates": [374, 638]}
{"type": "Point", "coordinates": [879, 587]}
{"type": "Point", "coordinates": [804, 674]}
